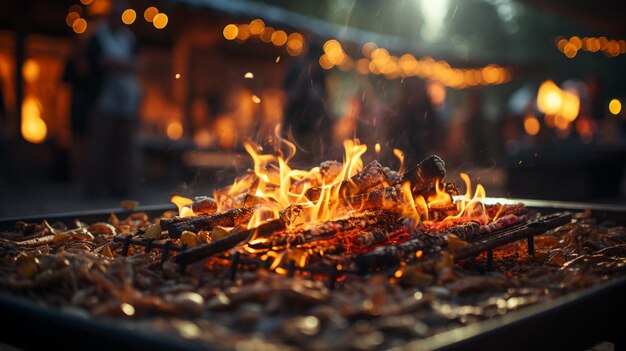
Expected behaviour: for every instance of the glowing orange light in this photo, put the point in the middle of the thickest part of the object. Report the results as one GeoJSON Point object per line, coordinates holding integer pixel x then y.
{"type": "Point", "coordinates": [367, 49]}
{"type": "Point", "coordinates": [129, 16]}
{"type": "Point", "coordinates": [578, 44]}
{"type": "Point", "coordinates": [561, 44]}
{"type": "Point", "coordinates": [71, 17]}
{"type": "Point", "coordinates": [266, 36]}
{"type": "Point", "coordinates": [257, 26]}
{"type": "Point", "coordinates": [243, 32]}
{"type": "Point", "coordinates": [160, 21]}
{"type": "Point", "coordinates": [31, 70]}
{"type": "Point", "coordinates": [183, 204]}
{"type": "Point", "coordinates": [532, 125]}
{"type": "Point", "coordinates": [174, 130]}
{"type": "Point", "coordinates": [325, 62]}
{"type": "Point", "coordinates": [79, 26]}
{"type": "Point", "coordinates": [437, 93]}
{"type": "Point", "coordinates": [549, 98]}
{"type": "Point", "coordinates": [230, 32]}
{"type": "Point", "coordinates": [33, 127]}
{"type": "Point", "coordinates": [570, 50]}
{"type": "Point", "coordinates": [100, 7]}
{"type": "Point", "coordinates": [377, 147]}
{"type": "Point", "coordinates": [177, 76]}
{"type": "Point", "coordinates": [615, 106]}
{"type": "Point", "coordinates": [86, 2]}
{"type": "Point", "coordinates": [150, 13]}
{"type": "Point", "coordinates": [570, 106]}
{"type": "Point", "coordinates": [256, 99]}
{"type": "Point", "coordinates": [279, 38]}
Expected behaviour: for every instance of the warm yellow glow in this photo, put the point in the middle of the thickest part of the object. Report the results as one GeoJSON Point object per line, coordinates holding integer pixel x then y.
{"type": "Point", "coordinates": [86, 2]}
{"type": "Point", "coordinates": [248, 75]}
{"type": "Point", "coordinates": [325, 62]}
{"type": "Point", "coordinates": [549, 98]}
{"type": "Point", "coordinates": [71, 17]}
{"type": "Point", "coordinates": [129, 16]}
{"type": "Point", "coordinates": [266, 36]}
{"type": "Point", "coordinates": [79, 26]}
{"type": "Point", "coordinates": [160, 20]}
{"type": "Point", "coordinates": [33, 128]}
{"type": "Point", "coordinates": [230, 32]}
{"type": "Point", "coordinates": [615, 106]}
{"type": "Point", "coordinates": [150, 13]}
{"type": "Point", "coordinates": [295, 44]}
{"type": "Point", "coordinates": [576, 42]}
{"type": "Point", "coordinates": [256, 99]}
{"type": "Point", "coordinates": [330, 45]}
{"type": "Point", "coordinates": [570, 50]}
{"type": "Point", "coordinates": [570, 106]}
{"type": "Point", "coordinates": [183, 204]}
{"type": "Point", "coordinates": [174, 130]}
{"type": "Point", "coordinates": [377, 147]}
{"type": "Point", "coordinates": [561, 122]}
{"type": "Point", "coordinates": [243, 32]}
{"type": "Point", "coordinates": [31, 70]}
{"type": "Point", "coordinates": [257, 26]}
{"type": "Point", "coordinates": [437, 93]}
{"type": "Point", "coordinates": [100, 7]}
{"type": "Point", "coordinates": [128, 309]}
{"type": "Point", "coordinates": [279, 38]}
{"type": "Point", "coordinates": [490, 74]}
{"type": "Point", "coordinates": [561, 44]}
{"type": "Point", "coordinates": [531, 125]}
{"type": "Point", "coordinates": [203, 138]}
{"type": "Point", "coordinates": [177, 76]}
{"type": "Point", "coordinates": [367, 49]}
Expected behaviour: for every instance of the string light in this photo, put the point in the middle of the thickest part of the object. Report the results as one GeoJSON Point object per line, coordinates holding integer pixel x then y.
{"type": "Point", "coordinates": [294, 43]}
{"type": "Point", "coordinates": [615, 106]}
{"type": "Point", "coordinates": [610, 47]}
{"type": "Point", "coordinates": [150, 13]}
{"type": "Point", "coordinates": [160, 21]}
{"type": "Point", "coordinates": [129, 16]}
{"type": "Point", "coordinates": [79, 26]}
{"type": "Point", "coordinates": [379, 61]}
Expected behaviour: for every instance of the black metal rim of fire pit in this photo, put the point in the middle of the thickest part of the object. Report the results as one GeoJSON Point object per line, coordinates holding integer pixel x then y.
{"type": "Point", "coordinates": [576, 320]}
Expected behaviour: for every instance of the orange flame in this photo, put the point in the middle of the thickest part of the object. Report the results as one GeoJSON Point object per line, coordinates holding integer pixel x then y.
{"type": "Point", "coordinates": [272, 185]}
{"type": "Point", "coordinates": [183, 204]}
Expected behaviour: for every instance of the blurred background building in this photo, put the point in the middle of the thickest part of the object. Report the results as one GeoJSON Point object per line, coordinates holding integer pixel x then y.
{"type": "Point", "coordinates": [526, 96]}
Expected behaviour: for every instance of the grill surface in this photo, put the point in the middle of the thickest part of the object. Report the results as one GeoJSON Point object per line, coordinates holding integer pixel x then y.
{"type": "Point", "coordinates": [574, 321]}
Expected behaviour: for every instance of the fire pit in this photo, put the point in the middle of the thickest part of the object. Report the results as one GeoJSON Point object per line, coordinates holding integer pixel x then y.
{"type": "Point", "coordinates": [340, 256]}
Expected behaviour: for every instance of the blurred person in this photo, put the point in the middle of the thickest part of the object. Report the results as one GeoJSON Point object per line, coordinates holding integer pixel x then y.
{"type": "Point", "coordinates": [307, 119]}
{"type": "Point", "coordinates": [412, 121]}
{"type": "Point", "coordinates": [79, 76]}
{"type": "Point", "coordinates": [478, 138]}
{"type": "Point", "coordinates": [113, 124]}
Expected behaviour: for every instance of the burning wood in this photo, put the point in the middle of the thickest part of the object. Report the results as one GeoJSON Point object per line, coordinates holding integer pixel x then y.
{"type": "Point", "coordinates": [231, 218]}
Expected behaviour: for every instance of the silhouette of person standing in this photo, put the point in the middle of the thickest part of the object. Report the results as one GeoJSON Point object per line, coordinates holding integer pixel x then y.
{"type": "Point", "coordinates": [306, 116]}
{"type": "Point", "coordinates": [114, 122]}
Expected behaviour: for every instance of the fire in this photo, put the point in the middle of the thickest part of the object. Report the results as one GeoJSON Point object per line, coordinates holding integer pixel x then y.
{"type": "Point", "coordinates": [183, 204]}
{"type": "Point", "coordinates": [273, 186]}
